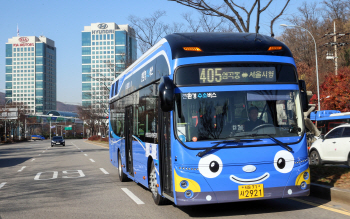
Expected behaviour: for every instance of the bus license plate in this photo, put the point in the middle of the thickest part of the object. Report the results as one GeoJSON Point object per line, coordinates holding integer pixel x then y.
{"type": "Point", "coordinates": [251, 191]}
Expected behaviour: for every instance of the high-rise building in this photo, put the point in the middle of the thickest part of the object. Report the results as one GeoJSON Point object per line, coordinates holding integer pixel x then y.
{"type": "Point", "coordinates": [31, 73]}
{"type": "Point", "coordinates": [107, 49]}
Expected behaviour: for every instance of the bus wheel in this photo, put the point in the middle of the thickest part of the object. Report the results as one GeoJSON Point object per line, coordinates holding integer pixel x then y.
{"type": "Point", "coordinates": [315, 158]}
{"type": "Point", "coordinates": [121, 174]}
{"type": "Point", "coordinates": [152, 183]}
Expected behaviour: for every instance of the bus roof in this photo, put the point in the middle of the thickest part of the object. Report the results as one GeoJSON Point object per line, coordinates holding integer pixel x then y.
{"type": "Point", "coordinates": [224, 44]}
{"type": "Point", "coordinates": [329, 115]}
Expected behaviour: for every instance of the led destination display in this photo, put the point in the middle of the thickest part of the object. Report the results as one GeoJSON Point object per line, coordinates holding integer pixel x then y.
{"type": "Point", "coordinates": [237, 75]}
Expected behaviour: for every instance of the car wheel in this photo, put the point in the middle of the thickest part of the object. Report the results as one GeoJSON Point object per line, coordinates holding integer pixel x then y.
{"type": "Point", "coordinates": [51, 145]}
{"type": "Point", "coordinates": [315, 158]}
{"type": "Point", "coordinates": [121, 174]}
{"type": "Point", "coordinates": [64, 144]}
{"type": "Point", "coordinates": [152, 184]}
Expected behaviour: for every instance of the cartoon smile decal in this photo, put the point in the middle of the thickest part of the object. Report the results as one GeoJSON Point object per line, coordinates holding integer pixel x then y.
{"type": "Point", "coordinates": [210, 166]}
{"type": "Point", "coordinates": [249, 181]}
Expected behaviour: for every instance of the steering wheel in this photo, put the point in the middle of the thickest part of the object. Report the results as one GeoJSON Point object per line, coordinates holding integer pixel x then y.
{"type": "Point", "coordinates": [262, 126]}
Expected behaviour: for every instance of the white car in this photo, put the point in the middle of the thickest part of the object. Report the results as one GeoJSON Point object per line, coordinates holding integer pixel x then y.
{"type": "Point", "coordinates": [333, 147]}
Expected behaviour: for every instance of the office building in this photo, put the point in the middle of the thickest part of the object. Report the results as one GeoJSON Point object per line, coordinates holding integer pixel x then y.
{"type": "Point", "coordinates": [107, 49]}
{"type": "Point", "coordinates": [31, 73]}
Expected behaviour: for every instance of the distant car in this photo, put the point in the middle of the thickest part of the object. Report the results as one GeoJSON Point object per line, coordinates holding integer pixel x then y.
{"type": "Point", "coordinates": [333, 147]}
{"type": "Point", "coordinates": [37, 137]}
{"type": "Point", "coordinates": [57, 140]}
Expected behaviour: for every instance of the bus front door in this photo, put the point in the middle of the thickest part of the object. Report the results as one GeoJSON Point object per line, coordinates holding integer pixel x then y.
{"type": "Point", "coordinates": [128, 140]}
{"type": "Point", "coordinates": [165, 153]}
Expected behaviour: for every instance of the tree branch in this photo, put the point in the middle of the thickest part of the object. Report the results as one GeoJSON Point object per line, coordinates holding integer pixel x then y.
{"type": "Point", "coordinates": [274, 19]}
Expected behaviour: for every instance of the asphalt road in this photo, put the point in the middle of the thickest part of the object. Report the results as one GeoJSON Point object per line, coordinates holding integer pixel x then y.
{"type": "Point", "coordinates": [78, 181]}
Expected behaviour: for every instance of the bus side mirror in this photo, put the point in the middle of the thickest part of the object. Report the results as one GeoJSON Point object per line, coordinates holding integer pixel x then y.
{"type": "Point", "coordinates": [303, 94]}
{"type": "Point", "coordinates": [166, 94]}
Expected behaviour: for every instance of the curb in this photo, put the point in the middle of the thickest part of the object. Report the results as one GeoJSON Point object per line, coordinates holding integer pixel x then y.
{"type": "Point", "coordinates": [330, 193]}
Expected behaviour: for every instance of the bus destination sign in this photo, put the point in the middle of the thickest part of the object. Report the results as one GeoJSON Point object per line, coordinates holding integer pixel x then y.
{"type": "Point", "coordinates": [237, 75]}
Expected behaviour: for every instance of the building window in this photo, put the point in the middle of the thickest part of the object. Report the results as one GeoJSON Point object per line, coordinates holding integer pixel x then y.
{"type": "Point", "coordinates": [86, 50]}
{"type": "Point", "coordinates": [86, 39]}
{"type": "Point", "coordinates": [8, 50]}
{"type": "Point", "coordinates": [86, 59]}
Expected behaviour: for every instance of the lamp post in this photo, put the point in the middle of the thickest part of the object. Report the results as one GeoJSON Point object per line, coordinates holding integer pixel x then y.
{"type": "Point", "coordinates": [50, 124]}
{"type": "Point", "coordinates": [318, 87]}
{"type": "Point", "coordinates": [5, 119]}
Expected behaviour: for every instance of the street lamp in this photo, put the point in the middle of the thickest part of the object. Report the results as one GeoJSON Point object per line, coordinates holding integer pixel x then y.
{"type": "Point", "coordinates": [5, 119]}
{"type": "Point", "coordinates": [318, 87]}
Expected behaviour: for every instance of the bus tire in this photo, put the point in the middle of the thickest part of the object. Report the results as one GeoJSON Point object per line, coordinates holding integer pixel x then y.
{"type": "Point", "coordinates": [122, 176]}
{"type": "Point", "coordinates": [315, 158]}
{"type": "Point", "coordinates": [152, 184]}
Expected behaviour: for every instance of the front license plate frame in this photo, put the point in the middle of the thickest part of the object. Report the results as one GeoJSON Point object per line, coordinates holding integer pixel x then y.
{"type": "Point", "coordinates": [251, 191]}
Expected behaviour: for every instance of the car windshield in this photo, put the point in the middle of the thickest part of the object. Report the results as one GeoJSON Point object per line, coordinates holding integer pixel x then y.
{"type": "Point", "coordinates": [57, 138]}
{"type": "Point", "coordinates": [231, 114]}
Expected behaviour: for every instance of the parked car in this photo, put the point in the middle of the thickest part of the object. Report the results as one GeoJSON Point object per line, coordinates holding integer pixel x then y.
{"type": "Point", "coordinates": [333, 147]}
{"type": "Point", "coordinates": [57, 140]}
{"type": "Point", "coordinates": [37, 137]}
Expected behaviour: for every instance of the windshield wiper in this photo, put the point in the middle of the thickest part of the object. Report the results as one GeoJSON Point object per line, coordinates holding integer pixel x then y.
{"type": "Point", "coordinates": [273, 138]}
{"type": "Point", "coordinates": [202, 153]}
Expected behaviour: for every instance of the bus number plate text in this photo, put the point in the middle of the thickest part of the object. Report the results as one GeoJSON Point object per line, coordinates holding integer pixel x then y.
{"type": "Point", "coordinates": [251, 191]}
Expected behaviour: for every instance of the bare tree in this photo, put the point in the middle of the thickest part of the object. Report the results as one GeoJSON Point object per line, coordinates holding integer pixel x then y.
{"type": "Point", "coordinates": [231, 11]}
{"type": "Point", "coordinates": [148, 30]}
{"type": "Point", "coordinates": [336, 9]}
{"type": "Point", "coordinates": [207, 23]}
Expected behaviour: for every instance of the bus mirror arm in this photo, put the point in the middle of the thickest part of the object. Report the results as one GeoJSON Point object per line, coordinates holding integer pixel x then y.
{"type": "Point", "coordinates": [166, 94]}
{"type": "Point", "coordinates": [303, 94]}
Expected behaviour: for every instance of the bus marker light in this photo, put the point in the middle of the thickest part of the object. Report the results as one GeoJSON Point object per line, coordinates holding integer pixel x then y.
{"type": "Point", "coordinates": [274, 48]}
{"type": "Point", "coordinates": [193, 49]}
{"type": "Point", "coordinates": [135, 172]}
{"type": "Point", "coordinates": [157, 185]}
{"type": "Point", "coordinates": [144, 178]}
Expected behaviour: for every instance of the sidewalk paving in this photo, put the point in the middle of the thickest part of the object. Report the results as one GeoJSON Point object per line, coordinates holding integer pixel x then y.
{"type": "Point", "coordinates": [330, 193]}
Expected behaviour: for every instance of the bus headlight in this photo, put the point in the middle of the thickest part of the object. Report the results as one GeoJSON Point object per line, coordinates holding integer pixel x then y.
{"type": "Point", "coordinates": [303, 185]}
{"type": "Point", "coordinates": [188, 194]}
{"type": "Point", "coordinates": [184, 184]}
{"type": "Point", "coordinates": [306, 175]}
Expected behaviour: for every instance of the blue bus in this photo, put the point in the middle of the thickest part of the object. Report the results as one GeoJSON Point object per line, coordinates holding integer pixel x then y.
{"type": "Point", "coordinates": [204, 118]}
{"type": "Point", "coordinates": [325, 120]}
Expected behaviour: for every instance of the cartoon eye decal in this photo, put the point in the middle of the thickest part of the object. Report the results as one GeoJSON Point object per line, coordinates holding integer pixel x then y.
{"type": "Point", "coordinates": [284, 161]}
{"type": "Point", "coordinates": [210, 166]}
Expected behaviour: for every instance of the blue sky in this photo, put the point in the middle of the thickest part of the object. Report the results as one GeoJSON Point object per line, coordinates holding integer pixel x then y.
{"type": "Point", "coordinates": [63, 21]}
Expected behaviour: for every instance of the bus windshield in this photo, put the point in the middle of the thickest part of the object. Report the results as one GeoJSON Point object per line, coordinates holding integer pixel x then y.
{"type": "Point", "coordinates": [204, 116]}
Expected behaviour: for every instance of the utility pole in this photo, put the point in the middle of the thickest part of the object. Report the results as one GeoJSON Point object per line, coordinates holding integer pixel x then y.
{"type": "Point", "coordinates": [335, 44]}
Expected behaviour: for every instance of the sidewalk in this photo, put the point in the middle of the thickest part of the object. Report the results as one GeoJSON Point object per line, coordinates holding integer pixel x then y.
{"type": "Point", "coordinates": [330, 193]}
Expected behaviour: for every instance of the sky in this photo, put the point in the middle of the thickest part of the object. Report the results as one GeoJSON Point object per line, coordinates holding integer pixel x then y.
{"type": "Point", "coordinates": [63, 21]}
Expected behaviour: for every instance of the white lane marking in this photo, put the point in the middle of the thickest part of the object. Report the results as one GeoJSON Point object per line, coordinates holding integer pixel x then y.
{"type": "Point", "coordinates": [54, 176]}
{"type": "Point", "coordinates": [43, 151]}
{"type": "Point", "coordinates": [39, 155]}
{"type": "Point", "coordinates": [92, 160]}
{"type": "Point", "coordinates": [2, 184]}
{"type": "Point", "coordinates": [33, 159]}
{"type": "Point", "coordinates": [104, 171]}
{"type": "Point", "coordinates": [22, 169]}
{"type": "Point", "coordinates": [133, 197]}
{"type": "Point", "coordinates": [85, 154]}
